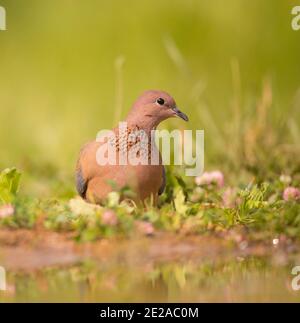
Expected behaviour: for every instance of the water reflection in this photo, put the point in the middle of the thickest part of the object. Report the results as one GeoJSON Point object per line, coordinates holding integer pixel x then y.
{"type": "Point", "coordinates": [240, 279]}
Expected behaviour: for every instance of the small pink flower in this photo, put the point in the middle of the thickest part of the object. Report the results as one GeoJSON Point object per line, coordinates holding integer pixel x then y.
{"type": "Point", "coordinates": [6, 211]}
{"type": "Point", "coordinates": [218, 178]}
{"type": "Point", "coordinates": [204, 179]}
{"type": "Point", "coordinates": [145, 227]}
{"type": "Point", "coordinates": [208, 178]}
{"type": "Point", "coordinates": [110, 218]}
{"type": "Point", "coordinates": [291, 193]}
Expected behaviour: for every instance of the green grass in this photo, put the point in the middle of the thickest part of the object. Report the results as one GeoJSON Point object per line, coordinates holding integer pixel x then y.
{"type": "Point", "coordinates": [79, 72]}
{"type": "Point", "coordinates": [184, 208]}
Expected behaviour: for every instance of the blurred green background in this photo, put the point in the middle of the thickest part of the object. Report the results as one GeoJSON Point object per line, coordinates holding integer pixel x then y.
{"type": "Point", "coordinates": [68, 68]}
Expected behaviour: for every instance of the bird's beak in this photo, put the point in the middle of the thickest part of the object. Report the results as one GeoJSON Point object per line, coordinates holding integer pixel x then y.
{"type": "Point", "coordinates": [180, 114]}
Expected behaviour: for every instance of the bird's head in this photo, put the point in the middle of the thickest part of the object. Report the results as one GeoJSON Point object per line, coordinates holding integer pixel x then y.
{"type": "Point", "coordinates": [152, 107]}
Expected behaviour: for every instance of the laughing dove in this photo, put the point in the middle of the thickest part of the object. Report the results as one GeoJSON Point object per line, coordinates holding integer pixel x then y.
{"type": "Point", "coordinates": [94, 181]}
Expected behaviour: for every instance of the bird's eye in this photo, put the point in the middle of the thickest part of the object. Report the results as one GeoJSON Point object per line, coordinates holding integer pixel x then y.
{"type": "Point", "coordinates": [160, 101]}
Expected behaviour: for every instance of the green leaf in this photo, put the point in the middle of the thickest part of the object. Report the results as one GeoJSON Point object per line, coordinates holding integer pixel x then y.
{"type": "Point", "coordinates": [180, 181]}
{"type": "Point", "coordinates": [113, 199]}
{"type": "Point", "coordinates": [179, 201]}
{"type": "Point", "coordinates": [9, 184]}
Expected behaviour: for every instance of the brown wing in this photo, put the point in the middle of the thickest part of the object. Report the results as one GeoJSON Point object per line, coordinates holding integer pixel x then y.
{"type": "Point", "coordinates": [163, 185]}
{"type": "Point", "coordinates": [81, 182]}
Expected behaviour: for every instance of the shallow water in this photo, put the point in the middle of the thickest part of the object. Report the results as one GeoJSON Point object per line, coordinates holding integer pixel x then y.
{"type": "Point", "coordinates": [152, 270]}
